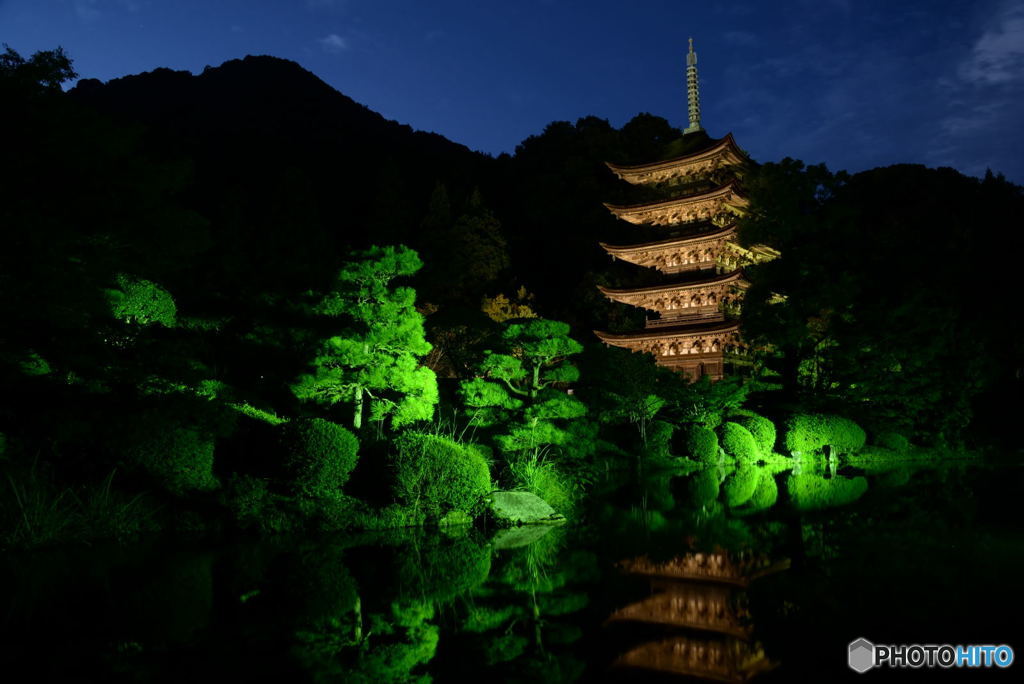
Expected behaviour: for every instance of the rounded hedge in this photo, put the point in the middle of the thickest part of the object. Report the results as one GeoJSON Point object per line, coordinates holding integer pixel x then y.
{"type": "Point", "coordinates": [320, 457]}
{"type": "Point", "coordinates": [700, 443]}
{"type": "Point", "coordinates": [811, 432]}
{"type": "Point", "coordinates": [737, 441]}
{"type": "Point", "coordinates": [439, 475]}
{"type": "Point", "coordinates": [179, 458]}
{"type": "Point", "coordinates": [740, 486]}
{"type": "Point", "coordinates": [761, 428]}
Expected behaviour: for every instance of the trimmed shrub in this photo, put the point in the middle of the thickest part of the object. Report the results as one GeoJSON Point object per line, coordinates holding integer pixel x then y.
{"type": "Point", "coordinates": [703, 487]}
{"type": "Point", "coordinates": [179, 458]}
{"type": "Point", "coordinates": [811, 432]}
{"type": "Point", "coordinates": [737, 441]}
{"type": "Point", "coordinates": [760, 427]}
{"type": "Point", "coordinates": [740, 486]}
{"type": "Point", "coordinates": [142, 302]}
{"type": "Point", "coordinates": [659, 434]}
{"type": "Point", "coordinates": [809, 492]}
{"type": "Point", "coordinates": [320, 456]}
{"type": "Point", "coordinates": [700, 443]}
{"type": "Point", "coordinates": [438, 475]}
{"type": "Point", "coordinates": [894, 441]}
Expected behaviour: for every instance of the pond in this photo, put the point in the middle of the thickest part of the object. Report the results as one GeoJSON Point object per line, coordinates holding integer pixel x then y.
{"type": "Point", "coordinates": [710, 575]}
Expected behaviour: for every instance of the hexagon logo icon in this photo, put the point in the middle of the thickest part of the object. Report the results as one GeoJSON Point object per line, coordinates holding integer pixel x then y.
{"type": "Point", "coordinates": [861, 655]}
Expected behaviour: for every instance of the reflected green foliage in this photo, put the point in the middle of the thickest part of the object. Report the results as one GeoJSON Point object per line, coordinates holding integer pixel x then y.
{"type": "Point", "coordinates": [438, 475]}
{"type": "Point", "coordinates": [394, 661]}
{"type": "Point", "coordinates": [484, 618]}
{"type": "Point", "coordinates": [320, 457]}
{"type": "Point", "coordinates": [810, 433]}
{"type": "Point", "coordinates": [504, 647]}
{"type": "Point", "coordinates": [441, 569]}
{"type": "Point", "coordinates": [741, 485]}
{"type": "Point", "coordinates": [894, 478]}
{"type": "Point", "coordinates": [737, 442]}
{"type": "Point", "coordinates": [320, 591]}
{"type": "Point", "coordinates": [809, 491]}
{"type": "Point", "coordinates": [767, 492]}
{"type": "Point", "coordinates": [703, 487]}
{"type": "Point", "coordinates": [371, 363]}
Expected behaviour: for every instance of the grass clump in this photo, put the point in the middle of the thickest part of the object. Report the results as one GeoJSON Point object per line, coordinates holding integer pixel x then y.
{"type": "Point", "coordinates": [542, 477]}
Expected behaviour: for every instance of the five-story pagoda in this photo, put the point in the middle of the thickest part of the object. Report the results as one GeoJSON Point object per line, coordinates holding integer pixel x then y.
{"type": "Point", "coordinates": [693, 328]}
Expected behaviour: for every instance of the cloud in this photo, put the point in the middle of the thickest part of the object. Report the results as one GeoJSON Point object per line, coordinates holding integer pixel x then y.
{"type": "Point", "coordinates": [333, 43]}
{"type": "Point", "coordinates": [980, 123]}
{"type": "Point", "coordinates": [88, 11]}
{"type": "Point", "coordinates": [998, 55]}
{"type": "Point", "coordinates": [739, 38]}
{"type": "Point", "coordinates": [325, 4]}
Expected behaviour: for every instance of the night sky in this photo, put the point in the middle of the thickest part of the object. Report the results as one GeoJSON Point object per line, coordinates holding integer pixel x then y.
{"type": "Point", "coordinates": [853, 83]}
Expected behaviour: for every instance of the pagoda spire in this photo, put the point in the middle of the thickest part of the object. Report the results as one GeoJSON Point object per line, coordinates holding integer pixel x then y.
{"type": "Point", "coordinates": [692, 92]}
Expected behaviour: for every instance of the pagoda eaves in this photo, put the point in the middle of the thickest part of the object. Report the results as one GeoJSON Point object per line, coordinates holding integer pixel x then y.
{"type": "Point", "coordinates": [675, 255]}
{"type": "Point", "coordinates": [711, 205]}
{"type": "Point", "coordinates": [698, 296]}
{"type": "Point", "coordinates": [723, 153]}
{"type": "Point", "coordinates": [695, 350]}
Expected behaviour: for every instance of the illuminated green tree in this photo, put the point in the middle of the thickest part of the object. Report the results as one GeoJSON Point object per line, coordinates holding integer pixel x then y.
{"type": "Point", "coordinates": [372, 361]}
{"type": "Point", "coordinates": [523, 387]}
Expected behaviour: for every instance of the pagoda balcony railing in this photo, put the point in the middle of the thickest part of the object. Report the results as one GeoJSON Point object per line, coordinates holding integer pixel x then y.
{"type": "Point", "coordinates": [684, 319]}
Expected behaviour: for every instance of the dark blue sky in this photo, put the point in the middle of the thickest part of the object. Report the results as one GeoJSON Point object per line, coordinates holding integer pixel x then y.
{"type": "Point", "coordinates": [853, 83]}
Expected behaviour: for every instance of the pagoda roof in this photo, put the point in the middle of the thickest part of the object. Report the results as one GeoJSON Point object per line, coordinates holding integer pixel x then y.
{"type": "Point", "coordinates": [622, 251]}
{"type": "Point", "coordinates": [732, 276]}
{"type": "Point", "coordinates": [686, 209]}
{"type": "Point", "coordinates": [721, 152]}
{"type": "Point", "coordinates": [619, 339]}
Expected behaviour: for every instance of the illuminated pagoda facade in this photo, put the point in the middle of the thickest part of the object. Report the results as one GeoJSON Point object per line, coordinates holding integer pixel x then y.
{"type": "Point", "coordinates": [691, 325]}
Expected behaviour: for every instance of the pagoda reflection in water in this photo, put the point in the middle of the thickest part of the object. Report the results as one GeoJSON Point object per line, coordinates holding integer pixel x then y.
{"type": "Point", "coordinates": [702, 595]}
